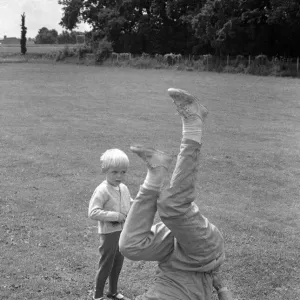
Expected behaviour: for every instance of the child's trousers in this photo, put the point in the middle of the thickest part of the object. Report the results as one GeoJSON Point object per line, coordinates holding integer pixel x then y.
{"type": "Point", "coordinates": [110, 263]}
{"type": "Point", "coordinates": [185, 244]}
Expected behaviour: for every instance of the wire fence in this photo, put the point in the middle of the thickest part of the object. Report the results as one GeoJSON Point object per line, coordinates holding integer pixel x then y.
{"type": "Point", "coordinates": [288, 66]}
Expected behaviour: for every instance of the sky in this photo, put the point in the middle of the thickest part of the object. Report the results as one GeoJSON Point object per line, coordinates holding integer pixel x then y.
{"type": "Point", "coordinates": [39, 13]}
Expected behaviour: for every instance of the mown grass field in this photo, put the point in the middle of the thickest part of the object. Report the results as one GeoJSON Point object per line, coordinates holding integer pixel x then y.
{"type": "Point", "coordinates": [56, 120]}
{"type": "Point", "coordinates": [31, 48]}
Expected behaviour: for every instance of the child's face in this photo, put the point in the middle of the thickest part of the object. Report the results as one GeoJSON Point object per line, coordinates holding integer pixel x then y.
{"type": "Point", "coordinates": [115, 176]}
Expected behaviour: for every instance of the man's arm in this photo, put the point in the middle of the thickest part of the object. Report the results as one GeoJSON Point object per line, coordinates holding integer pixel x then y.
{"type": "Point", "coordinates": [222, 290]}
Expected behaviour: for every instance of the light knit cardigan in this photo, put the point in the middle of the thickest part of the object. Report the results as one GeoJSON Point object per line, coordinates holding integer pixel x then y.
{"type": "Point", "coordinates": [106, 206]}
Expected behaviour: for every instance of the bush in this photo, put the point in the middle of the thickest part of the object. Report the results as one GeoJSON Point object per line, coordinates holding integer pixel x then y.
{"type": "Point", "coordinates": [104, 51]}
{"type": "Point", "coordinates": [229, 69]}
{"type": "Point", "coordinates": [50, 55]}
{"type": "Point", "coordinates": [198, 65]}
{"type": "Point", "coordinates": [240, 59]}
{"type": "Point", "coordinates": [145, 55]}
{"type": "Point", "coordinates": [69, 52]}
{"type": "Point", "coordinates": [170, 59]}
{"type": "Point", "coordinates": [159, 58]}
{"type": "Point", "coordinates": [64, 53]}
{"type": "Point", "coordinates": [258, 70]}
{"type": "Point", "coordinates": [143, 63]}
{"type": "Point", "coordinates": [82, 50]}
{"type": "Point", "coordinates": [275, 70]}
{"type": "Point", "coordinates": [261, 59]}
{"type": "Point", "coordinates": [241, 68]}
{"type": "Point", "coordinates": [59, 55]}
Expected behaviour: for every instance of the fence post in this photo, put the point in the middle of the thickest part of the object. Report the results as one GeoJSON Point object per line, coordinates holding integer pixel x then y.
{"type": "Point", "coordinates": [297, 66]}
{"type": "Point", "coordinates": [207, 62]}
{"type": "Point", "coordinates": [249, 62]}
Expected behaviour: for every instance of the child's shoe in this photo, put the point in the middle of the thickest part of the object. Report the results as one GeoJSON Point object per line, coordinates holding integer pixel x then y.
{"type": "Point", "coordinates": [153, 158]}
{"type": "Point", "coordinates": [186, 104]}
{"type": "Point", "coordinates": [116, 296]}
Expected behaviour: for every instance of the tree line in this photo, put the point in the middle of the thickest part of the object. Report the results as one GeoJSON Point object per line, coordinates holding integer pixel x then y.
{"type": "Point", "coordinates": [220, 27]}
{"type": "Point", "coordinates": [51, 36]}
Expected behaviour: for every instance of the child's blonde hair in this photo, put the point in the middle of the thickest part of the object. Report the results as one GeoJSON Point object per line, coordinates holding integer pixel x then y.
{"type": "Point", "coordinates": [114, 158]}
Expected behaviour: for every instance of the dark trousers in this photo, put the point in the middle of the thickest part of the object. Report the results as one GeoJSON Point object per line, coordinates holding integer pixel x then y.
{"type": "Point", "coordinates": [110, 263]}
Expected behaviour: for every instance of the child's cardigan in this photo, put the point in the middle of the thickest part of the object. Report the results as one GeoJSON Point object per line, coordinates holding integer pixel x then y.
{"type": "Point", "coordinates": [106, 205]}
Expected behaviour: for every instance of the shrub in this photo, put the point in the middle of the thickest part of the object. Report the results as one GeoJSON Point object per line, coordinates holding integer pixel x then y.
{"type": "Point", "coordinates": [143, 63]}
{"type": "Point", "coordinates": [258, 70]}
{"type": "Point", "coordinates": [50, 55]}
{"type": "Point", "coordinates": [145, 55]}
{"type": "Point", "coordinates": [275, 70]}
{"type": "Point", "coordinates": [104, 51]}
{"type": "Point", "coordinates": [170, 59]}
{"type": "Point", "coordinates": [69, 52]}
{"type": "Point", "coordinates": [240, 59]}
{"type": "Point", "coordinates": [261, 59]}
{"type": "Point", "coordinates": [82, 50]}
{"type": "Point", "coordinates": [198, 65]}
{"type": "Point", "coordinates": [64, 53]}
{"type": "Point", "coordinates": [159, 58]}
{"type": "Point", "coordinates": [207, 59]}
{"type": "Point", "coordinates": [229, 69]}
{"type": "Point", "coordinates": [59, 55]}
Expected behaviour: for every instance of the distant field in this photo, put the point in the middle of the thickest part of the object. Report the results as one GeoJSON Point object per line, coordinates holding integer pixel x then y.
{"type": "Point", "coordinates": [31, 48]}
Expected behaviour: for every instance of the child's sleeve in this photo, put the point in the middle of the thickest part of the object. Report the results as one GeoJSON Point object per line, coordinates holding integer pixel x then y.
{"type": "Point", "coordinates": [96, 211]}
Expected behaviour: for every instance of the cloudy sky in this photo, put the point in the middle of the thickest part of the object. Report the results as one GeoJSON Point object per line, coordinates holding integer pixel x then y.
{"type": "Point", "coordinates": [39, 13]}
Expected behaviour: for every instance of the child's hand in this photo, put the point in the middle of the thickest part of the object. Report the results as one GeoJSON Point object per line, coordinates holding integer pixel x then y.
{"type": "Point", "coordinates": [122, 217]}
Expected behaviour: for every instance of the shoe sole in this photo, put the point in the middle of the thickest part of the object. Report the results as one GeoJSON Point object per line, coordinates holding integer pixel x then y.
{"type": "Point", "coordinates": [147, 154]}
{"type": "Point", "coordinates": [183, 97]}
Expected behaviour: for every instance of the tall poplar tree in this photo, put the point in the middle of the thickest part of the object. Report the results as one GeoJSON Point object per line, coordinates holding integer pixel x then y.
{"type": "Point", "coordinates": [23, 35]}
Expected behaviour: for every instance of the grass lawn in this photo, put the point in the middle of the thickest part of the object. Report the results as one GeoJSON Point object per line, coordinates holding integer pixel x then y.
{"type": "Point", "coordinates": [31, 48]}
{"type": "Point", "coordinates": [56, 120]}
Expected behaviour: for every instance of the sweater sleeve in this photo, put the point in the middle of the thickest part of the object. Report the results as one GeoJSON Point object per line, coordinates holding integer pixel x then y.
{"type": "Point", "coordinates": [96, 211]}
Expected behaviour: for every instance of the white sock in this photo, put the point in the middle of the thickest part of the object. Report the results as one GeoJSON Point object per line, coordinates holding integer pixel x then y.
{"type": "Point", "coordinates": [192, 128]}
{"type": "Point", "coordinates": [155, 178]}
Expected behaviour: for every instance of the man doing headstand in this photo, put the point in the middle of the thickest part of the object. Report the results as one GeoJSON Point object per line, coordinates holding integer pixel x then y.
{"type": "Point", "coordinates": [188, 248]}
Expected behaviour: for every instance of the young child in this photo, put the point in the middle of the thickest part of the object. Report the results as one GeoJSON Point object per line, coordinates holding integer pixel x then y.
{"type": "Point", "coordinates": [188, 248]}
{"type": "Point", "coordinates": [109, 206]}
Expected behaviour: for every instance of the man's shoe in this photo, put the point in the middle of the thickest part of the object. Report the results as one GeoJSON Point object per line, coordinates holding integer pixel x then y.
{"type": "Point", "coordinates": [153, 158]}
{"type": "Point", "coordinates": [186, 104]}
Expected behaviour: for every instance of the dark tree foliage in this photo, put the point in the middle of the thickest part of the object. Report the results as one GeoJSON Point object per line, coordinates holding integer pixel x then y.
{"type": "Point", "coordinates": [46, 36]}
{"type": "Point", "coordinates": [23, 35]}
{"type": "Point", "coordinates": [221, 27]}
{"type": "Point", "coordinates": [71, 13]}
{"type": "Point", "coordinates": [68, 37]}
